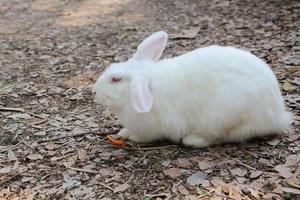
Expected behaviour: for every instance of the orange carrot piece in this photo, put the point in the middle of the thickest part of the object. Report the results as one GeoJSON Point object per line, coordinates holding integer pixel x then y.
{"type": "Point", "coordinates": [115, 141]}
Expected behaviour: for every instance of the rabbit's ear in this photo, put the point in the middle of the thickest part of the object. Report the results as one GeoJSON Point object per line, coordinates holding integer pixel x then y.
{"type": "Point", "coordinates": [140, 95]}
{"type": "Point", "coordinates": [152, 47]}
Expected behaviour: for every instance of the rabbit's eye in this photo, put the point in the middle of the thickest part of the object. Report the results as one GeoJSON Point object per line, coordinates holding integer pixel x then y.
{"type": "Point", "coordinates": [115, 80]}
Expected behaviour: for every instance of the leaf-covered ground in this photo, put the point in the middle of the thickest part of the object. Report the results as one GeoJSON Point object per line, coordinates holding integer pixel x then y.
{"type": "Point", "coordinates": [52, 134]}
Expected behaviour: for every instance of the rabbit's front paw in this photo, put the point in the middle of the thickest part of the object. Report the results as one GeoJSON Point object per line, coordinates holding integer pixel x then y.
{"type": "Point", "coordinates": [127, 135]}
{"type": "Point", "coordinates": [123, 134]}
{"type": "Point", "coordinates": [195, 141]}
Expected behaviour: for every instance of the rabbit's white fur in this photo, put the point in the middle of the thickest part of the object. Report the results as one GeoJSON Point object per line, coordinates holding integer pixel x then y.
{"type": "Point", "coordinates": [208, 96]}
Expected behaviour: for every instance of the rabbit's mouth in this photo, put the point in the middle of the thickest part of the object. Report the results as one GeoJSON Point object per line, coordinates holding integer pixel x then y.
{"type": "Point", "coordinates": [104, 100]}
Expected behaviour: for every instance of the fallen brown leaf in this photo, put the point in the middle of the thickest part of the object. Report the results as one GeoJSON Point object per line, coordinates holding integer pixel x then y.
{"type": "Point", "coordinates": [255, 174]}
{"type": "Point", "coordinates": [197, 178]}
{"type": "Point", "coordinates": [187, 34]}
{"type": "Point", "coordinates": [204, 165]}
{"type": "Point", "coordinates": [292, 160]}
{"type": "Point", "coordinates": [5, 170]}
{"type": "Point", "coordinates": [283, 171]}
{"type": "Point", "coordinates": [287, 86]}
{"type": "Point", "coordinates": [183, 190]}
{"type": "Point", "coordinates": [35, 156]}
{"type": "Point", "coordinates": [184, 163]}
{"type": "Point", "coordinates": [121, 188]}
{"type": "Point", "coordinates": [172, 172]}
{"type": "Point", "coordinates": [11, 155]}
{"type": "Point", "coordinates": [238, 172]}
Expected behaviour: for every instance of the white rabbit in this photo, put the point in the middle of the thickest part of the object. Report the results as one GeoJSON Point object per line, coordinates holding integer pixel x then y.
{"type": "Point", "coordinates": [208, 96]}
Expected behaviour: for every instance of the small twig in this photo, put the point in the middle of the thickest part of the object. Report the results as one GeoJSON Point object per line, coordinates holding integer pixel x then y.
{"type": "Point", "coordinates": [37, 127]}
{"type": "Point", "coordinates": [16, 136]}
{"type": "Point", "coordinates": [37, 122]}
{"type": "Point", "coordinates": [12, 109]}
{"type": "Point", "coordinates": [245, 165]}
{"type": "Point", "coordinates": [83, 170]}
{"type": "Point", "coordinates": [66, 136]}
{"type": "Point", "coordinates": [65, 92]}
{"type": "Point", "coordinates": [106, 186]}
{"type": "Point", "coordinates": [161, 188]}
{"type": "Point", "coordinates": [46, 176]}
{"type": "Point", "coordinates": [146, 171]}
{"type": "Point", "coordinates": [36, 115]}
{"type": "Point", "coordinates": [177, 151]}
{"type": "Point", "coordinates": [223, 161]}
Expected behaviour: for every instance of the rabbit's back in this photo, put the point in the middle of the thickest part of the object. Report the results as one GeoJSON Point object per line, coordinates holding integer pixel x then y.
{"type": "Point", "coordinates": [214, 91]}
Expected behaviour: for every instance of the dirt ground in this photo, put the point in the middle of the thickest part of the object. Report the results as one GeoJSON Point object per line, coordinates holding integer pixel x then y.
{"type": "Point", "coordinates": [52, 134]}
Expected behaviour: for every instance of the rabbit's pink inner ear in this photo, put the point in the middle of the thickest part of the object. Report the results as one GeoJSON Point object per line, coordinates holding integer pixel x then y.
{"type": "Point", "coordinates": [152, 47]}
{"type": "Point", "coordinates": [140, 95]}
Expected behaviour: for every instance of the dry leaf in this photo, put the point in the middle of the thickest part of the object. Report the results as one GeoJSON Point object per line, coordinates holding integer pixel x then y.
{"type": "Point", "coordinates": [166, 163]}
{"type": "Point", "coordinates": [27, 194]}
{"type": "Point", "coordinates": [265, 162]}
{"type": "Point", "coordinates": [232, 191]}
{"type": "Point", "coordinates": [184, 163]}
{"type": "Point", "coordinates": [278, 189]}
{"type": "Point", "coordinates": [121, 188]}
{"type": "Point", "coordinates": [27, 179]}
{"type": "Point", "coordinates": [183, 190]}
{"type": "Point", "coordinates": [20, 116]}
{"type": "Point", "coordinates": [255, 174]}
{"type": "Point", "coordinates": [82, 192]}
{"type": "Point", "coordinates": [172, 172]}
{"type": "Point", "coordinates": [16, 165]}
{"type": "Point", "coordinates": [5, 170]}
{"type": "Point", "coordinates": [294, 182]}
{"type": "Point", "coordinates": [68, 184]}
{"type": "Point", "coordinates": [283, 171]}
{"type": "Point", "coordinates": [187, 34]}
{"type": "Point", "coordinates": [287, 86]}
{"type": "Point", "coordinates": [255, 193]}
{"type": "Point", "coordinates": [271, 196]}
{"type": "Point", "coordinates": [81, 154]}
{"type": "Point", "coordinates": [238, 172]}
{"type": "Point", "coordinates": [196, 179]}
{"type": "Point", "coordinates": [204, 165]}
{"type": "Point", "coordinates": [11, 155]}
{"type": "Point", "coordinates": [292, 160]}
{"type": "Point", "coordinates": [273, 142]}
{"type": "Point", "coordinates": [35, 156]}
{"type": "Point", "coordinates": [109, 172]}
